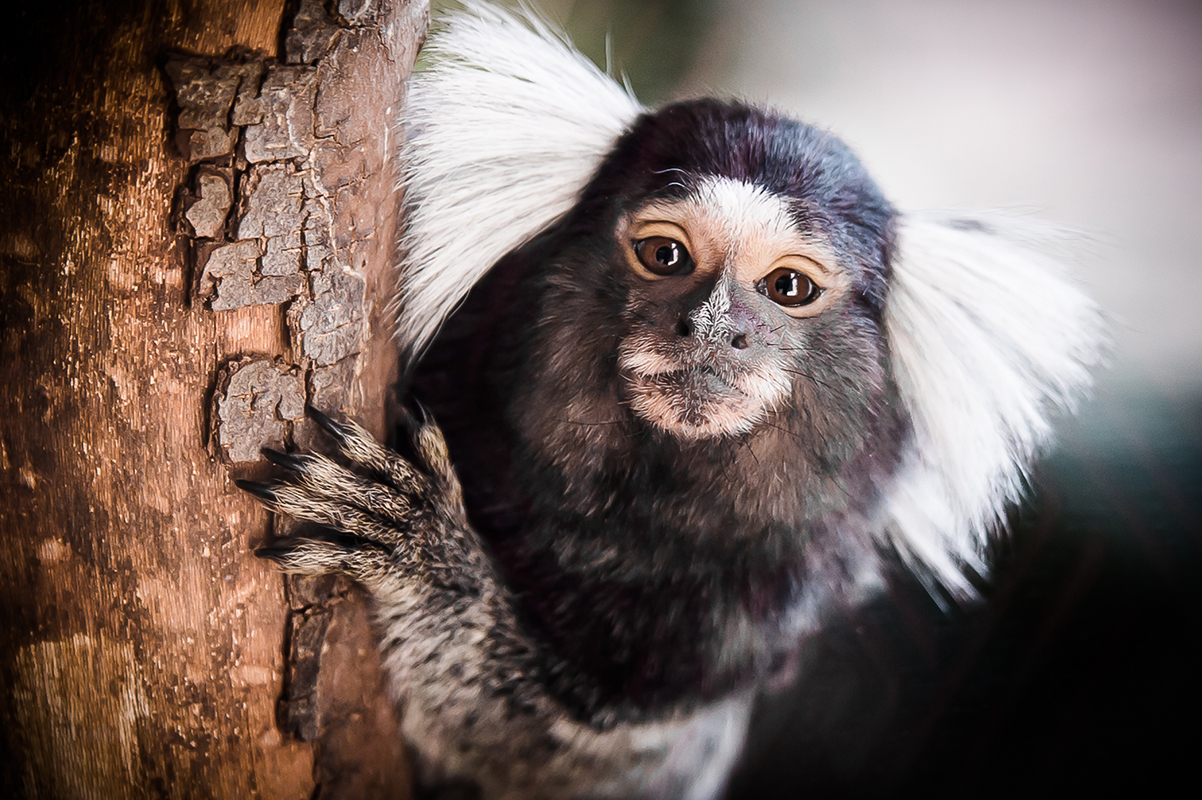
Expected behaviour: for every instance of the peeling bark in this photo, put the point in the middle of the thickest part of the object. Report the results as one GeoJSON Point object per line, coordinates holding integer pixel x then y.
{"type": "Point", "coordinates": [196, 240]}
{"type": "Point", "coordinates": [258, 403]}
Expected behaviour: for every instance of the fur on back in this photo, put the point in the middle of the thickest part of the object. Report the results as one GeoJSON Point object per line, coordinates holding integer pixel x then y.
{"type": "Point", "coordinates": [988, 338]}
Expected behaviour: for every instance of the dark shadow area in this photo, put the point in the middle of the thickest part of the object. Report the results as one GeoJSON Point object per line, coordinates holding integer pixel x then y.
{"type": "Point", "coordinates": [1080, 672]}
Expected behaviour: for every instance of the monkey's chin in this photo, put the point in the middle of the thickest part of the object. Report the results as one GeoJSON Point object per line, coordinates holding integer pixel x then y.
{"type": "Point", "coordinates": [693, 404]}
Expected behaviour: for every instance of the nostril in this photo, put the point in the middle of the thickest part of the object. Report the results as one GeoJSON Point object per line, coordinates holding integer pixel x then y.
{"type": "Point", "coordinates": [684, 328]}
{"type": "Point", "coordinates": [739, 342]}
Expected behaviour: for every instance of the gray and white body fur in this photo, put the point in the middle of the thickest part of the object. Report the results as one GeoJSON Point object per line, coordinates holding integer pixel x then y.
{"type": "Point", "coordinates": [700, 381]}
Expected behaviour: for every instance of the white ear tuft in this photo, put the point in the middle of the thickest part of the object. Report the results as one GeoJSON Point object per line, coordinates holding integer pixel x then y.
{"type": "Point", "coordinates": [504, 128]}
{"type": "Point", "coordinates": [989, 340]}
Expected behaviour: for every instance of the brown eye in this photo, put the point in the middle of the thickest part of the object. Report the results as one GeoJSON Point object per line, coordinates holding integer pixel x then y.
{"type": "Point", "coordinates": [663, 256]}
{"type": "Point", "coordinates": [788, 287]}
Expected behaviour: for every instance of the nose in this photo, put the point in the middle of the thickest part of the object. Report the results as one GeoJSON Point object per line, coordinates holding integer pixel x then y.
{"type": "Point", "coordinates": [720, 319]}
{"type": "Point", "coordinates": [738, 338]}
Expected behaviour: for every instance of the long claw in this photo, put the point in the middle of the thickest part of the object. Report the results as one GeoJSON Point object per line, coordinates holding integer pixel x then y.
{"type": "Point", "coordinates": [273, 553]}
{"type": "Point", "coordinates": [419, 414]}
{"type": "Point", "coordinates": [263, 491]}
{"type": "Point", "coordinates": [331, 427]}
{"type": "Point", "coordinates": [286, 460]}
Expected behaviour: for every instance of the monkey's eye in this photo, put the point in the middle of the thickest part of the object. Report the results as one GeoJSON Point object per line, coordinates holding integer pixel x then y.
{"type": "Point", "coordinates": [663, 256]}
{"type": "Point", "coordinates": [788, 287]}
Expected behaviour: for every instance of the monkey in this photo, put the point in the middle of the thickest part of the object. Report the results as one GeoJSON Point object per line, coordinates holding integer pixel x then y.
{"type": "Point", "coordinates": [689, 383]}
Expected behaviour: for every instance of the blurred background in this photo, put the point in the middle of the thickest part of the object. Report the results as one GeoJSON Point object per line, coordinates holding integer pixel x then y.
{"type": "Point", "coordinates": [1081, 671]}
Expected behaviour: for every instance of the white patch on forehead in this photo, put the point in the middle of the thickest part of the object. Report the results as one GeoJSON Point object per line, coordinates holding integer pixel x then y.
{"type": "Point", "coordinates": [744, 209]}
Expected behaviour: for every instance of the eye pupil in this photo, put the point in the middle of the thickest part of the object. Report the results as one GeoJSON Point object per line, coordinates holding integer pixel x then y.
{"type": "Point", "coordinates": [667, 254]}
{"type": "Point", "coordinates": [786, 285]}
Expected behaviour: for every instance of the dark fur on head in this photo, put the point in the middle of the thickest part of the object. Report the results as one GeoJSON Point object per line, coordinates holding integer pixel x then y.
{"type": "Point", "coordinates": [668, 150]}
{"type": "Point", "coordinates": [668, 568]}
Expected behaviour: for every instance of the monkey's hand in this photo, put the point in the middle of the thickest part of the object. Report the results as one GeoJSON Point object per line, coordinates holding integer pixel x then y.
{"type": "Point", "coordinates": [396, 518]}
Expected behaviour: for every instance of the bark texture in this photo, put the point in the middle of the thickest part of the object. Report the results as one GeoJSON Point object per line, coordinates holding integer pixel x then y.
{"type": "Point", "coordinates": [197, 219]}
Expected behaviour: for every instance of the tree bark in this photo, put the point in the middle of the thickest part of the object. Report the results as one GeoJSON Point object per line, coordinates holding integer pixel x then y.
{"type": "Point", "coordinates": [197, 225]}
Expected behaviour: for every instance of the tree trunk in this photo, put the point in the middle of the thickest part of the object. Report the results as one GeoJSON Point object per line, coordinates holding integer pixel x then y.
{"type": "Point", "coordinates": [197, 219]}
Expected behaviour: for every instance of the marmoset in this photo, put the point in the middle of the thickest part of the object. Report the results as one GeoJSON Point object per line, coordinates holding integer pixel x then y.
{"type": "Point", "coordinates": [689, 381]}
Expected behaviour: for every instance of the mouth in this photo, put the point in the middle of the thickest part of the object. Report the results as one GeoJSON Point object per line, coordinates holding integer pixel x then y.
{"type": "Point", "coordinates": [700, 381]}
{"type": "Point", "coordinates": [692, 403]}
{"type": "Point", "coordinates": [695, 394]}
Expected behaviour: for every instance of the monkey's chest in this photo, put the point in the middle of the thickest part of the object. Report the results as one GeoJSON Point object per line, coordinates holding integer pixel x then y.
{"type": "Point", "coordinates": [650, 636]}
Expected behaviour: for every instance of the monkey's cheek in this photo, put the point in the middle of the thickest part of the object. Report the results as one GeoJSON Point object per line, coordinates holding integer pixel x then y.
{"type": "Point", "coordinates": [694, 405]}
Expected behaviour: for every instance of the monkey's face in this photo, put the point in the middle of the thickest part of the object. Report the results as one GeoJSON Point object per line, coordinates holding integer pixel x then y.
{"type": "Point", "coordinates": [719, 285]}
{"type": "Point", "coordinates": [723, 289]}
